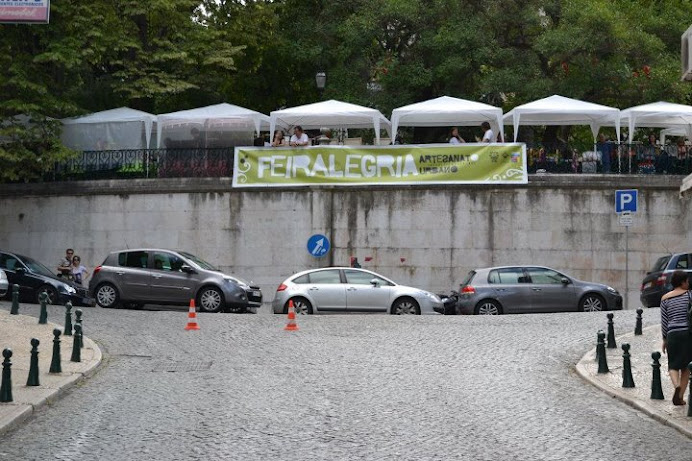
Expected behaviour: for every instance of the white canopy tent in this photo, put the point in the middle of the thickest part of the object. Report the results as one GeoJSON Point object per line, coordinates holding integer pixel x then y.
{"type": "Point", "coordinates": [218, 125]}
{"type": "Point", "coordinates": [113, 129]}
{"type": "Point", "coordinates": [658, 115]}
{"type": "Point", "coordinates": [330, 114]}
{"type": "Point", "coordinates": [558, 110]}
{"type": "Point", "coordinates": [447, 111]}
{"type": "Point", "coordinates": [676, 131]}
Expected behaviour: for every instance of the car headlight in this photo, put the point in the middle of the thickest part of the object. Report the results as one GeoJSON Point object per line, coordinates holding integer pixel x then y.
{"type": "Point", "coordinates": [612, 290]}
{"type": "Point", "coordinates": [237, 282]}
{"type": "Point", "coordinates": [70, 290]}
{"type": "Point", "coordinates": [432, 296]}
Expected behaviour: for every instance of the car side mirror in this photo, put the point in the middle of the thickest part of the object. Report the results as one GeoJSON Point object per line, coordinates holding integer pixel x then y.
{"type": "Point", "coordinates": [565, 281]}
{"type": "Point", "coordinates": [375, 283]}
{"type": "Point", "coordinates": [187, 269]}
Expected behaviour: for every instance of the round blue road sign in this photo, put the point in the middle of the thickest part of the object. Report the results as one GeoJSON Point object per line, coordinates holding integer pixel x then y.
{"type": "Point", "coordinates": [318, 245]}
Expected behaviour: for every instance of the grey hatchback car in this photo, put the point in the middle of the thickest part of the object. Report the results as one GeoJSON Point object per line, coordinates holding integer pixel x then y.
{"type": "Point", "coordinates": [519, 289]}
{"type": "Point", "coordinates": [159, 276]}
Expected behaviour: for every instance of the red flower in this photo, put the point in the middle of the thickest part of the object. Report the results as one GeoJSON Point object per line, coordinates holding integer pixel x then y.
{"type": "Point", "coordinates": [647, 70]}
{"type": "Point", "coordinates": [565, 66]}
{"type": "Point", "coordinates": [635, 74]}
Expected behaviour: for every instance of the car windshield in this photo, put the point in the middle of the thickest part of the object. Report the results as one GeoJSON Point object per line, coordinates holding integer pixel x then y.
{"type": "Point", "coordinates": [200, 262]}
{"type": "Point", "coordinates": [661, 264]}
{"type": "Point", "coordinates": [37, 268]}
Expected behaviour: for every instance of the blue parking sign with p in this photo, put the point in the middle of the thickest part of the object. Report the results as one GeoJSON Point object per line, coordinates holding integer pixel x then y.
{"type": "Point", "coordinates": [626, 200]}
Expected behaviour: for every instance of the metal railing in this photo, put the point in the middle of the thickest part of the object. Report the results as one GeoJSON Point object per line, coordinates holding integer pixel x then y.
{"type": "Point", "coordinates": [609, 158]}
{"type": "Point", "coordinates": [218, 162]}
{"type": "Point", "coordinates": [145, 163]}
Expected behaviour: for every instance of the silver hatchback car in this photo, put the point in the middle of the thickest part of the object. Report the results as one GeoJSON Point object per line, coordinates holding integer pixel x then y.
{"type": "Point", "coordinates": [158, 276]}
{"type": "Point", "coordinates": [347, 289]}
{"type": "Point", "coordinates": [519, 289]}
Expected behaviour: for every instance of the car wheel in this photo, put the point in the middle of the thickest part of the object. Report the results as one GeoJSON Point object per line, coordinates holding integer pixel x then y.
{"type": "Point", "coordinates": [301, 306]}
{"type": "Point", "coordinates": [210, 299]}
{"type": "Point", "coordinates": [50, 291]}
{"type": "Point", "coordinates": [405, 306]}
{"type": "Point", "coordinates": [107, 296]}
{"type": "Point", "coordinates": [488, 307]}
{"type": "Point", "coordinates": [592, 303]}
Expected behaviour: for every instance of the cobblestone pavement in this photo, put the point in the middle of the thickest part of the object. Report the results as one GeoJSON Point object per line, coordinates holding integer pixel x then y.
{"type": "Point", "coordinates": [351, 387]}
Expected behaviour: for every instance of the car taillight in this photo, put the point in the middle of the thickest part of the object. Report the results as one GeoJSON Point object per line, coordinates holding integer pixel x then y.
{"type": "Point", "coordinates": [282, 287]}
{"type": "Point", "coordinates": [468, 289]}
{"type": "Point", "coordinates": [661, 280]}
{"type": "Point", "coordinates": [96, 269]}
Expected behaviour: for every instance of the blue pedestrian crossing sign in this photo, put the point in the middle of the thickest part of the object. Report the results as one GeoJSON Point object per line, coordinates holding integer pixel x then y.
{"type": "Point", "coordinates": [318, 245]}
{"type": "Point", "coordinates": [626, 200]}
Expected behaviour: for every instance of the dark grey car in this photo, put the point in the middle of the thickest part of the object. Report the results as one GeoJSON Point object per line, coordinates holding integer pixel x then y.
{"type": "Point", "coordinates": [159, 276]}
{"type": "Point", "coordinates": [519, 289]}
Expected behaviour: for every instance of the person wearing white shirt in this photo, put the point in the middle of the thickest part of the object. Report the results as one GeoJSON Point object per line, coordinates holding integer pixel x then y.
{"type": "Point", "coordinates": [488, 135]}
{"type": "Point", "coordinates": [455, 138]}
{"type": "Point", "coordinates": [299, 138]}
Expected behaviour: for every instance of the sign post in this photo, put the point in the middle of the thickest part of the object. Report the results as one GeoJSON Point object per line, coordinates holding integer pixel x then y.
{"type": "Point", "coordinates": [625, 206]}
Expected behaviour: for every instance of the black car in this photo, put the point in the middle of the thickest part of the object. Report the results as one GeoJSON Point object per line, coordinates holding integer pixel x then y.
{"type": "Point", "coordinates": [657, 281]}
{"type": "Point", "coordinates": [34, 278]}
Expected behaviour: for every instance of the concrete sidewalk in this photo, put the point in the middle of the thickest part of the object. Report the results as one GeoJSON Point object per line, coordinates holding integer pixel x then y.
{"type": "Point", "coordinates": [16, 332]}
{"type": "Point", "coordinates": [640, 396]}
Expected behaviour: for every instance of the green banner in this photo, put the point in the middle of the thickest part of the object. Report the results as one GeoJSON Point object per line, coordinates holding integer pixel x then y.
{"type": "Point", "coordinates": [378, 165]}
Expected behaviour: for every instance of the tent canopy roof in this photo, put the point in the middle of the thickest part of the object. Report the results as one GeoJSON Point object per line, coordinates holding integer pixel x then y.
{"type": "Point", "coordinates": [446, 111]}
{"type": "Point", "coordinates": [657, 115]}
{"type": "Point", "coordinates": [559, 110]}
{"type": "Point", "coordinates": [121, 114]}
{"type": "Point", "coordinates": [215, 111]}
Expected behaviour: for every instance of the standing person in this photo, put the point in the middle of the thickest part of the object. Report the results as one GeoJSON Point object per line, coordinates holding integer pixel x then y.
{"type": "Point", "coordinates": [606, 149]}
{"type": "Point", "coordinates": [65, 265]}
{"type": "Point", "coordinates": [488, 135]}
{"type": "Point", "coordinates": [454, 137]}
{"type": "Point", "coordinates": [79, 272]}
{"type": "Point", "coordinates": [676, 337]}
{"type": "Point", "coordinates": [299, 138]}
{"type": "Point", "coordinates": [278, 140]}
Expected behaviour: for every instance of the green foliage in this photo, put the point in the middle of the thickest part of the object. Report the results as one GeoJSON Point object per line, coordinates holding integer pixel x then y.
{"type": "Point", "coordinates": [167, 55]}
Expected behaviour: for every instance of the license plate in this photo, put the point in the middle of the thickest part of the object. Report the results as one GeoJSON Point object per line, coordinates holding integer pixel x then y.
{"type": "Point", "coordinates": [257, 293]}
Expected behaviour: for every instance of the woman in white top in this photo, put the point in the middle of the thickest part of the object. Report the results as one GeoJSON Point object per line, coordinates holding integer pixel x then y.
{"type": "Point", "coordinates": [488, 135]}
{"type": "Point", "coordinates": [455, 138]}
{"type": "Point", "coordinates": [79, 272]}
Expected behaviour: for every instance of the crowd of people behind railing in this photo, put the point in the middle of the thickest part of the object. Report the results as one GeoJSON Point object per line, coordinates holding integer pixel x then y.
{"type": "Point", "coordinates": [648, 157]}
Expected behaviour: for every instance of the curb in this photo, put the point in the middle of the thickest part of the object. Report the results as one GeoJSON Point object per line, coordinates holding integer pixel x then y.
{"type": "Point", "coordinates": [23, 411]}
{"type": "Point", "coordinates": [626, 398]}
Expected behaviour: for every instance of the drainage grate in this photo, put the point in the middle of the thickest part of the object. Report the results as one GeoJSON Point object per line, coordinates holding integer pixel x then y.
{"type": "Point", "coordinates": [179, 367]}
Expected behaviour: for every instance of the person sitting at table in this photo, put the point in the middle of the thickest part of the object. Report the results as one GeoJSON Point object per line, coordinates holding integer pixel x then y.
{"type": "Point", "coordinates": [278, 139]}
{"type": "Point", "coordinates": [299, 138]}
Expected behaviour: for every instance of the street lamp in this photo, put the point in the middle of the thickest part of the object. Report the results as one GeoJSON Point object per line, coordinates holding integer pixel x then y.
{"type": "Point", "coordinates": [320, 81]}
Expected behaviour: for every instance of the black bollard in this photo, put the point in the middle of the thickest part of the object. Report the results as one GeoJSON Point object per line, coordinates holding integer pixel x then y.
{"type": "Point", "coordinates": [656, 388]}
{"type": "Point", "coordinates": [76, 347]}
{"type": "Point", "coordinates": [6, 386]}
{"type": "Point", "coordinates": [601, 353]}
{"type": "Point", "coordinates": [638, 325]}
{"type": "Point", "coordinates": [55, 361]}
{"type": "Point", "coordinates": [611, 332]}
{"type": "Point", "coordinates": [598, 349]}
{"type": "Point", "coordinates": [627, 379]}
{"type": "Point", "coordinates": [68, 319]}
{"type": "Point", "coordinates": [43, 299]}
{"type": "Point", "coordinates": [689, 402]}
{"type": "Point", "coordinates": [14, 310]}
{"type": "Point", "coordinates": [78, 321]}
{"type": "Point", "coordinates": [33, 367]}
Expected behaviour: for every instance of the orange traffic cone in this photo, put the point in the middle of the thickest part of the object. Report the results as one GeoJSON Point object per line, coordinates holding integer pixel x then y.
{"type": "Point", "coordinates": [192, 317]}
{"type": "Point", "coordinates": [291, 325]}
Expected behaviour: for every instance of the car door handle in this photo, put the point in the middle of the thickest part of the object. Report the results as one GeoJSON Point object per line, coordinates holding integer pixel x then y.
{"type": "Point", "coordinates": [157, 276]}
{"type": "Point", "coordinates": [501, 289]}
{"type": "Point", "coordinates": [351, 289]}
{"type": "Point", "coordinates": [313, 289]}
{"type": "Point", "coordinates": [536, 289]}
